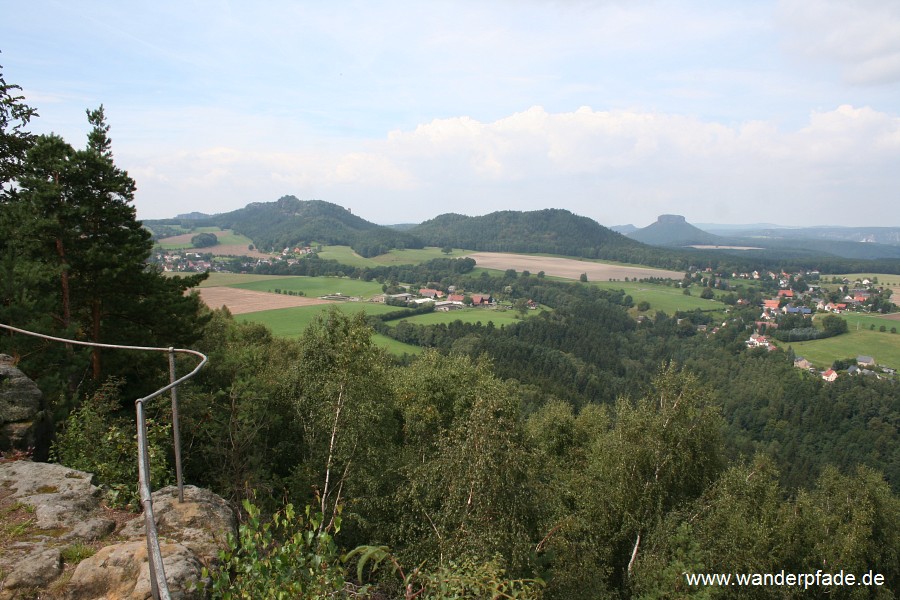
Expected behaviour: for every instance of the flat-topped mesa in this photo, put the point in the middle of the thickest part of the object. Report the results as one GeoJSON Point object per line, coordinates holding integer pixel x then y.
{"type": "Point", "coordinates": [670, 219]}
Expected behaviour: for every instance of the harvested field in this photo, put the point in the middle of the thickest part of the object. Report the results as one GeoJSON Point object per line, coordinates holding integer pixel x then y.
{"type": "Point", "coordinates": [227, 245]}
{"type": "Point", "coordinates": [241, 301]}
{"type": "Point", "coordinates": [234, 250]}
{"type": "Point", "coordinates": [568, 268]}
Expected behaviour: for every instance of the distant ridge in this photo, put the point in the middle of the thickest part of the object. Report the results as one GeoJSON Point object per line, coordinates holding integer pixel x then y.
{"type": "Point", "coordinates": [289, 222]}
{"type": "Point", "coordinates": [673, 230]}
{"type": "Point", "coordinates": [552, 231]}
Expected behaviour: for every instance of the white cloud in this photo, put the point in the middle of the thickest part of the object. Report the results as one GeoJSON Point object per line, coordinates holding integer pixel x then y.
{"type": "Point", "coordinates": [862, 36]}
{"type": "Point", "coordinates": [615, 166]}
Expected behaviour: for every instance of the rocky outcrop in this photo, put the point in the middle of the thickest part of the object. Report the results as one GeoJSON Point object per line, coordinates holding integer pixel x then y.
{"type": "Point", "coordinates": [53, 509]}
{"type": "Point", "coordinates": [20, 407]}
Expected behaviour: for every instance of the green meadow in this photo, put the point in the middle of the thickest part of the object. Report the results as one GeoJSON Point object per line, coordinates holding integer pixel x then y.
{"type": "Point", "coordinates": [226, 237]}
{"type": "Point", "coordinates": [291, 322]}
{"type": "Point", "coordinates": [883, 347]}
{"type": "Point", "coordinates": [416, 256]}
{"type": "Point", "coordinates": [235, 279]}
{"type": "Point", "coordinates": [469, 315]}
{"type": "Point", "coordinates": [314, 287]}
{"type": "Point", "coordinates": [346, 256]}
{"type": "Point", "coordinates": [886, 279]}
{"type": "Point", "coordinates": [662, 297]}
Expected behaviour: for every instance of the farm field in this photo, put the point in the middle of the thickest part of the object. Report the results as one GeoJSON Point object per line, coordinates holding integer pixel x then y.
{"type": "Point", "coordinates": [231, 279]}
{"type": "Point", "coordinates": [662, 297]}
{"type": "Point", "coordinates": [313, 287]}
{"type": "Point", "coordinates": [416, 256]}
{"type": "Point", "coordinates": [883, 347]}
{"type": "Point", "coordinates": [884, 279]}
{"type": "Point", "coordinates": [569, 268]}
{"type": "Point", "coordinates": [860, 321]}
{"type": "Point", "coordinates": [226, 238]}
{"type": "Point", "coordinates": [241, 301]}
{"type": "Point", "coordinates": [291, 322]}
{"type": "Point", "coordinates": [468, 315]}
{"type": "Point", "coordinates": [345, 255]}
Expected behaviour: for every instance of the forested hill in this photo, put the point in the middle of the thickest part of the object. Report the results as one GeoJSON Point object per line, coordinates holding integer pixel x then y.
{"type": "Point", "coordinates": [553, 231]}
{"type": "Point", "coordinates": [290, 222]}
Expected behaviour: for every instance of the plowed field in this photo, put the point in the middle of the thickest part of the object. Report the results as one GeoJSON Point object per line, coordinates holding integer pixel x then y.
{"type": "Point", "coordinates": [567, 267]}
{"type": "Point", "coordinates": [241, 301]}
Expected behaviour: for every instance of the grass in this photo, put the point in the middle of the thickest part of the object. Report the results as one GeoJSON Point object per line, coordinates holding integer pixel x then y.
{"type": "Point", "coordinates": [416, 256]}
{"type": "Point", "coordinates": [226, 237]}
{"type": "Point", "coordinates": [233, 279]}
{"type": "Point", "coordinates": [662, 297]}
{"type": "Point", "coordinates": [394, 347]}
{"type": "Point", "coordinates": [468, 315]}
{"type": "Point", "coordinates": [345, 255]}
{"type": "Point", "coordinates": [291, 322]}
{"type": "Point", "coordinates": [883, 347]}
{"type": "Point", "coordinates": [17, 530]}
{"type": "Point", "coordinates": [76, 553]}
{"type": "Point", "coordinates": [315, 286]}
{"type": "Point", "coordinates": [883, 278]}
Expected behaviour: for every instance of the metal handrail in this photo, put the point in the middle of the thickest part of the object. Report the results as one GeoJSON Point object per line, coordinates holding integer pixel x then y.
{"type": "Point", "coordinates": [159, 586]}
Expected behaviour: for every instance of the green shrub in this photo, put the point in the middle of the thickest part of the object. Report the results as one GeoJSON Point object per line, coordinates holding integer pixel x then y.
{"type": "Point", "coordinates": [76, 553]}
{"type": "Point", "coordinates": [467, 578]}
{"type": "Point", "coordinates": [292, 556]}
{"type": "Point", "coordinates": [95, 439]}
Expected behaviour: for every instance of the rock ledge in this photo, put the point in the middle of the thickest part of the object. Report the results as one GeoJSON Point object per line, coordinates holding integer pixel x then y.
{"type": "Point", "coordinates": [51, 510]}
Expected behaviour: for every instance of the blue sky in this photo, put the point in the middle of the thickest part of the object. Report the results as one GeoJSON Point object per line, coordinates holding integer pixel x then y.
{"type": "Point", "coordinates": [732, 112]}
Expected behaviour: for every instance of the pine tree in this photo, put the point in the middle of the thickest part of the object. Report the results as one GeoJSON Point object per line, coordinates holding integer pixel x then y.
{"type": "Point", "coordinates": [79, 265]}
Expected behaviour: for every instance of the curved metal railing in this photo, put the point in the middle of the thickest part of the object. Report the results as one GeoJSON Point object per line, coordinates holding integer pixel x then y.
{"type": "Point", "coordinates": [158, 584]}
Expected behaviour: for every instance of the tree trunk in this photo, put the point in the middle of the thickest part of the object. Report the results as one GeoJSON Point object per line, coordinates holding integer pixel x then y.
{"type": "Point", "coordinates": [95, 337]}
{"type": "Point", "coordinates": [64, 283]}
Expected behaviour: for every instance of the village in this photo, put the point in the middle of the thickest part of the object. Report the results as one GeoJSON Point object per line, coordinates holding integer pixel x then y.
{"type": "Point", "coordinates": [789, 307]}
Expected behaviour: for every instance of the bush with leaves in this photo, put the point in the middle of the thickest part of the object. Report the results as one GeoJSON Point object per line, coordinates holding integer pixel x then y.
{"type": "Point", "coordinates": [291, 556]}
{"type": "Point", "coordinates": [464, 579]}
{"type": "Point", "coordinates": [94, 438]}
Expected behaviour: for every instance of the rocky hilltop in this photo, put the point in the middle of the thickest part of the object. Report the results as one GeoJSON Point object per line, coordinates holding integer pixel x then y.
{"type": "Point", "coordinates": [58, 540]}
{"type": "Point", "coordinates": [673, 230]}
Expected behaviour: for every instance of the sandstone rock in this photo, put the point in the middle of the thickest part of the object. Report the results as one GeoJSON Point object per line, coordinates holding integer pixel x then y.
{"type": "Point", "coordinates": [62, 498]}
{"type": "Point", "coordinates": [122, 571]}
{"type": "Point", "coordinates": [20, 403]}
{"type": "Point", "coordinates": [66, 506]}
{"type": "Point", "coordinates": [202, 522]}
{"type": "Point", "coordinates": [34, 571]}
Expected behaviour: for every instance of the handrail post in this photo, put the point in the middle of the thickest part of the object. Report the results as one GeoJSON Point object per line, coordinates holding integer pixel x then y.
{"type": "Point", "coordinates": [154, 554]}
{"type": "Point", "coordinates": [176, 433]}
{"type": "Point", "coordinates": [159, 587]}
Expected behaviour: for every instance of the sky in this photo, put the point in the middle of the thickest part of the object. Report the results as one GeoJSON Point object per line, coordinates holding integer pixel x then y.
{"type": "Point", "coordinates": [776, 111]}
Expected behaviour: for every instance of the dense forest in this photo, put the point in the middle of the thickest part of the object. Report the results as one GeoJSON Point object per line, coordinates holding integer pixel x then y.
{"type": "Point", "coordinates": [577, 454]}
{"type": "Point", "coordinates": [289, 222]}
